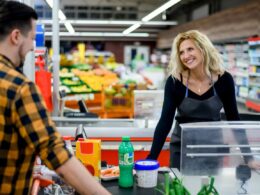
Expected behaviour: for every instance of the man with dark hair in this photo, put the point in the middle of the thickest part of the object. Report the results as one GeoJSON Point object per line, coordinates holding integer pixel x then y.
{"type": "Point", "coordinates": [26, 129]}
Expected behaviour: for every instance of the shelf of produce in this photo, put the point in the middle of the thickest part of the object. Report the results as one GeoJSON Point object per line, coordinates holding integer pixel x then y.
{"type": "Point", "coordinates": [241, 99]}
{"type": "Point", "coordinates": [117, 101]}
{"type": "Point", "coordinates": [116, 114]}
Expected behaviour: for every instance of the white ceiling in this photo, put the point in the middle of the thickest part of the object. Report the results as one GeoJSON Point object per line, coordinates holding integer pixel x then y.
{"type": "Point", "coordinates": [182, 12]}
{"type": "Point", "coordinates": [143, 7]}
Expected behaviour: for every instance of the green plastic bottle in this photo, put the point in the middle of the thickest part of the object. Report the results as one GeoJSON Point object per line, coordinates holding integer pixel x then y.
{"type": "Point", "coordinates": [126, 163]}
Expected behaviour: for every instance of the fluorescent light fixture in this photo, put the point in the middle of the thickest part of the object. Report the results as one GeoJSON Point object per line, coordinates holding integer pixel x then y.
{"type": "Point", "coordinates": [131, 28]}
{"type": "Point", "coordinates": [151, 15]}
{"type": "Point", "coordinates": [50, 3]}
{"type": "Point", "coordinates": [116, 22]}
{"type": "Point", "coordinates": [98, 34]}
{"type": "Point", "coordinates": [69, 27]}
{"type": "Point", "coordinates": [110, 22]}
{"type": "Point", "coordinates": [62, 16]}
{"type": "Point", "coordinates": [159, 10]}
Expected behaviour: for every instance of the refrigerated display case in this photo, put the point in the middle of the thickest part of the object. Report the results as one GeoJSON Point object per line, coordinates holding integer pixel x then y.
{"type": "Point", "coordinates": [221, 150]}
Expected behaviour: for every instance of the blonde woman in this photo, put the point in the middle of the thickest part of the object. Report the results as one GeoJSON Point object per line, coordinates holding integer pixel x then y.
{"type": "Point", "coordinates": [197, 88]}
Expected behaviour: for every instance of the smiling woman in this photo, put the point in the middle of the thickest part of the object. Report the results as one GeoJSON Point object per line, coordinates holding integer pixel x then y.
{"type": "Point", "coordinates": [198, 88]}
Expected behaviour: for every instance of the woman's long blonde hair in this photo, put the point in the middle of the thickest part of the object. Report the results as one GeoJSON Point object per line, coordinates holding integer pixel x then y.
{"type": "Point", "coordinates": [212, 58]}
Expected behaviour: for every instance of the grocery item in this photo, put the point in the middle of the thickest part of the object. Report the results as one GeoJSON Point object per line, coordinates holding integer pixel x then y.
{"type": "Point", "coordinates": [147, 173]}
{"type": "Point", "coordinates": [88, 151]}
{"type": "Point", "coordinates": [109, 174]}
{"type": "Point", "coordinates": [126, 163]}
{"type": "Point", "coordinates": [172, 186]}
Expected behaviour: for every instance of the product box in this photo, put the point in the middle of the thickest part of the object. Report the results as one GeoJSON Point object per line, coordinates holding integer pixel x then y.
{"type": "Point", "coordinates": [88, 151]}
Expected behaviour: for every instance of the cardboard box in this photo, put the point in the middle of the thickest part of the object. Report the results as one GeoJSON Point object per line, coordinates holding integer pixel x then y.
{"type": "Point", "coordinates": [88, 151]}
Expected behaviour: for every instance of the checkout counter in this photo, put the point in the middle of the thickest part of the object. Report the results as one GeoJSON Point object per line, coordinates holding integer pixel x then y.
{"type": "Point", "coordinates": [111, 131]}
{"type": "Point", "coordinates": [112, 187]}
{"type": "Point", "coordinates": [218, 149]}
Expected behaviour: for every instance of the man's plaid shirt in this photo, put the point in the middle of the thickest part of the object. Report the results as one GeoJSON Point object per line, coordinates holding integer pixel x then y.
{"type": "Point", "coordinates": [26, 130]}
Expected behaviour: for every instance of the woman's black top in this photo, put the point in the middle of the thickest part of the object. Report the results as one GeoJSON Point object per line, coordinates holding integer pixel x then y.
{"type": "Point", "coordinates": [174, 93]}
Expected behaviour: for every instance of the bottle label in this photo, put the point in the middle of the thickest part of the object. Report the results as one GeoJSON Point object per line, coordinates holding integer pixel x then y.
{"type": "Point", "coordinates": [126, 159]}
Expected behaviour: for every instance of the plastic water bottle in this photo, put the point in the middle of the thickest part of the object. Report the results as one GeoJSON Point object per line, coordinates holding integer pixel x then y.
{"type": "Point", "coordinates": [126, 163]}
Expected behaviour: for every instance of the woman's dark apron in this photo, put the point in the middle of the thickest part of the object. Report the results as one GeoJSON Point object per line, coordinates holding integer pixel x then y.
{"type": "Point", "coordinates": [196, 111]}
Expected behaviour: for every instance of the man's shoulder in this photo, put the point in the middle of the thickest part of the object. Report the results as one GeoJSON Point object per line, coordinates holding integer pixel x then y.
{"type": "Point", "coordinates": [12, 76]}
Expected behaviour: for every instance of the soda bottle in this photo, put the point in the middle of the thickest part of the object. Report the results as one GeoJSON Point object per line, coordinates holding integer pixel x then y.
{"type": "Point", "coordinates": [126, 163]}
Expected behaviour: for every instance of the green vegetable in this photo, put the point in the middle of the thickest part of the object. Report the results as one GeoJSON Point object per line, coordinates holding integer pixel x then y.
{"type": "Point", "coordinates": [172, 186]}
{"type": "Point", "coordinates": [209, 189]}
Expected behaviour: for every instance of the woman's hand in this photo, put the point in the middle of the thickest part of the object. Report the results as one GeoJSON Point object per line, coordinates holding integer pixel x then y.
{"type": "Point", "coordinates": [253, 164]}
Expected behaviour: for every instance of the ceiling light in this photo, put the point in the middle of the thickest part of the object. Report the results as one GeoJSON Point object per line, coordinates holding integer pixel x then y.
{"type": "Point", "coordinates": [98, 34]}
{"type": "Point", "coordinates": [69, 27]}
{"type": "Point", "coordinates": [159, 10]}
{"type": "Point", "coordinates": [62, 16]}
{"type": "Point", "coordinates": [110, 22]}
{"type": "Point", "coordinates": [151, 15]}
{"type": "Point", "coordinates": [164, 15]}
{"type": "Point", "coordinates": [50, 3]}
{"type": "Point", "coordinates": [118, 8]}
{"type": "Point", "coordinates": [131, 28]}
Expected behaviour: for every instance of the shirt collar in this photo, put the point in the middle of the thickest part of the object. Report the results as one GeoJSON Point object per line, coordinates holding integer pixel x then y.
{"type": "Point", "coordinates": [6, 61]}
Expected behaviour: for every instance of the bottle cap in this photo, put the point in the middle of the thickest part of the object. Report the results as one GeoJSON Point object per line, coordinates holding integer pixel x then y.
{"type": "Point", "coordinates": [125, 138]}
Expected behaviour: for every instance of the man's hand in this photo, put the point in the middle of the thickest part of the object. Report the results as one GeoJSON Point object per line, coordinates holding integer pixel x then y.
{"type": "Point", "coordinates": [37, 176]}
{"type": "Point", "coordinates": [44, 182]}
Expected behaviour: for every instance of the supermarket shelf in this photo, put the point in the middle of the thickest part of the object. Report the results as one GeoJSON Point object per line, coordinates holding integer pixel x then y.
{"type": "Point", "coordinates": [253, 99]}
{"type": "Point", "coordinates": [241, 100]}
{"type": "Point", "coordinates": [244, 65]}
{"type": "Point", "coordinates": [255, 64]}
{"type": "Point", "coordinates": [240, 74]}
{"type": "Point", "coordinates": [253, 104]}
{"type": "Point", "coordinates": [254, 74]}
{"type": "Point", "coordinates": [254, 84]}
{"type": "Point", "coordinates": [254, 55]}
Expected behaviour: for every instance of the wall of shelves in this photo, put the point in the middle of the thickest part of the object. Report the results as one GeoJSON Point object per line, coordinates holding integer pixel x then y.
{"type": "Point", "coordinates": [242, 60]}
{"type": "Point", "coordinates": [254, 74]}
{"type": "Point", "coordinates": [236, 61]}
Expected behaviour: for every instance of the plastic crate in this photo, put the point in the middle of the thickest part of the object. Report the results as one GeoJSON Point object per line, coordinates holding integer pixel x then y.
{"type": "Point", "coordinates": [118, 101]}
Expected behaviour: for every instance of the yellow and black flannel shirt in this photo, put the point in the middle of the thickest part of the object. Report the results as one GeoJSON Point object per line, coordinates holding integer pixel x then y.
{"type": "Point", "coordinates": [26, 131]}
